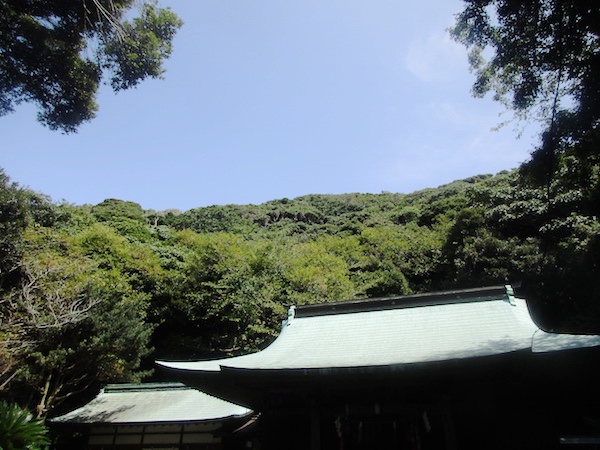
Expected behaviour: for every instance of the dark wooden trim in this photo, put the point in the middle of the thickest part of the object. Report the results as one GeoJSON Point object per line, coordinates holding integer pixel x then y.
{"type": "Point", "coordinates": [401, 302]}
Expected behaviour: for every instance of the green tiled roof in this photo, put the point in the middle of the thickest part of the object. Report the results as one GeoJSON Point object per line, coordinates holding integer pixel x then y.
{"type": "Point", "coordinates": [152, 403]}
{"type": "Point", "coordinates": [403, 330]}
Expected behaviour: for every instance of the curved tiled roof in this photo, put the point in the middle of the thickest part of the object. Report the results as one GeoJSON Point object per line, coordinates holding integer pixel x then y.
{"type": "Point", "coordinates": [397, 331]}
{"type": "Point", "coordinates": [152, 403]}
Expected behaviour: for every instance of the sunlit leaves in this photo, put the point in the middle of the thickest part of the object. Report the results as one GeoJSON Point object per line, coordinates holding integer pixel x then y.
{"type": "Point", "coordinates": [138, 50]}
{"type": "Point", "coordinates": [78, 316]}
{"type": "Point", "coordinates": [314, 274]}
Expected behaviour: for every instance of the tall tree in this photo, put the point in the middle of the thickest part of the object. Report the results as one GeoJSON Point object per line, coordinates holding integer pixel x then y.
{"type": "Point", "coordinates": [13, 220]}
{"type": "Point", "coordinates": [55, 53]}
{"type": "Point", "coordinates": [541, 58]}
{"type": "Point", "coordinates": [75, 321]}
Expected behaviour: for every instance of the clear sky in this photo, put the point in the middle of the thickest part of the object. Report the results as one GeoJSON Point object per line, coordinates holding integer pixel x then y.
{"type": "Point", "coordinates": [265, 99]}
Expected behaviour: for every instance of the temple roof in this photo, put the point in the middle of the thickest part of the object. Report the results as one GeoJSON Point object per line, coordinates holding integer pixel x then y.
{"type": "Point", "coordinates": [152, 403]}
{"type": "Point", "coordinates": [405, 330]}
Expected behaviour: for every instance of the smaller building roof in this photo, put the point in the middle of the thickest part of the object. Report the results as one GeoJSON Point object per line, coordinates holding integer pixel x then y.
{"type": "Point", "coordinates": [152, 403]}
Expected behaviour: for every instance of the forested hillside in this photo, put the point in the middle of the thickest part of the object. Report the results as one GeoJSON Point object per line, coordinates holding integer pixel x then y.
{"type": "Point", "coordinates": [93, 294]}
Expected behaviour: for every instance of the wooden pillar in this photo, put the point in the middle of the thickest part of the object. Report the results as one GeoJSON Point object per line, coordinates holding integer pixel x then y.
{"type": "Point", "coordinates": [315, 426]}
{"type": "Point", "coordinates": [448, 424]}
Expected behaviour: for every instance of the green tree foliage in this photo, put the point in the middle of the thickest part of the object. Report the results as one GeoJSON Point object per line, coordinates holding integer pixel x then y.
{"type": "Point", "coordinates": [113, 209]}
{"type": "Point", "coordinates": [542, 58]}
{"type": "Point", "coordinates": [479, 252]}
{"type": "Point", "coordinates": [230, 218]}
{"type": "Point", "coordinates": [312, 273]}
{"type": "Point", "coordinates": [104, 290]}
{"type": "Point", "coordinates": [543, 52]}
{"type": "Point", "coordinates": [13, 220]}
{"type": "Point", "coordinates": [19, 430]}
{"type": "Point", "coordinates": [55, 54]}
{"type": "Point", "coordinates": [544, 64]}
{"type": "Point", "coordinates": [385, 260]}
{"type": "Point", "coordinates": [132, 259]}
{"type": "Point", "coordinates": [228, 293]}
{"type": "Point", "coordinates": [75, 320]}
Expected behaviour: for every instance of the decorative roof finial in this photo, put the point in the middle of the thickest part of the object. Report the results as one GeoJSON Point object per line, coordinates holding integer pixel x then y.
{"type": "Point", "coordinates": [291, 315]}
{"type": "Point", "coordinates": [510, 294]}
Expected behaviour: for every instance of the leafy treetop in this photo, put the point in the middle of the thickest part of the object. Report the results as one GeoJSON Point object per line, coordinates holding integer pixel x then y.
{"type": "Point", "coordinates": [55, 54]}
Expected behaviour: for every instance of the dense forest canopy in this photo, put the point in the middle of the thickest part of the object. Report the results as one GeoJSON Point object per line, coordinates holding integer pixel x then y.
{"type": "Point", "coordinates": [93, 294]}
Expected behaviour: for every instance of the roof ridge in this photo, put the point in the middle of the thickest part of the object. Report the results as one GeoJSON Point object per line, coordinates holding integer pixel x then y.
{"type": "Point", "coordinates": [405, 301]}
{"type": "Point", "coordinates": [143, 387]}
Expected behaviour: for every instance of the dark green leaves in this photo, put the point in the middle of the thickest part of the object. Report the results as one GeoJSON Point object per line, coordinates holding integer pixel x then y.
{"type": "Point", "coordinates": [19, 430]}
{"type": "Point", "coordinates": [54, 54]}
{"type": "Point", "coordinates": [535, 51]}
{"type": "Point", "coordinates": [541, 58]}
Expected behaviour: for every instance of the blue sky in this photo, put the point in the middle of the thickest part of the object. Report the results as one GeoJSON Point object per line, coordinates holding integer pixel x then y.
{"type": "Point", "coordinates": [265, 99]}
